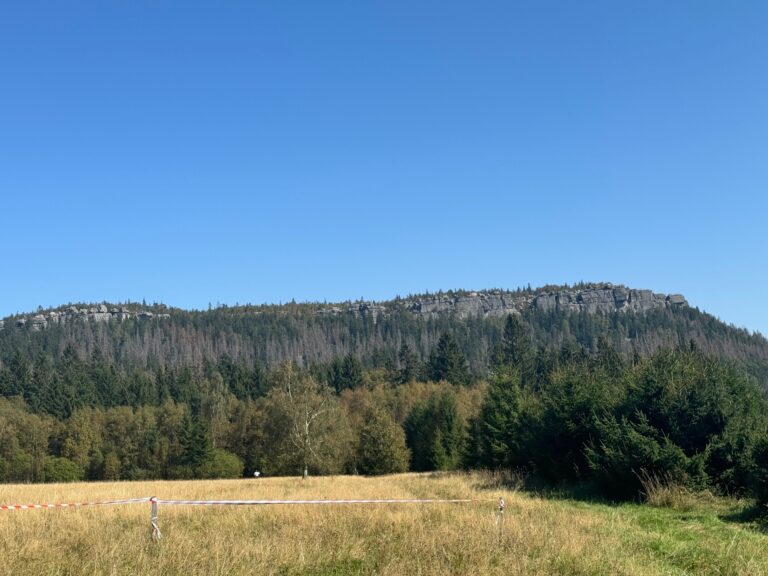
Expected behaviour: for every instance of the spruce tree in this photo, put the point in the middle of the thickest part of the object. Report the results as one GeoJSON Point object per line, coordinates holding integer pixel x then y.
{"type": "Point", "coordinates": [496, 433]}
{"type": "Point", "coordinates": [195, 444]}
{"type": "Point", "coordinates": [514, 352]}
{"type": "Point", "coordinates": [345, 373]}
{"type": "Point", "coordinates": [435, 434]}
{"type": "Point", "coordinates": [447, 362]}
{"type": "Point", "coordinates": [514, 348]}
{"type": "Point", "coordinates": [411, 367]}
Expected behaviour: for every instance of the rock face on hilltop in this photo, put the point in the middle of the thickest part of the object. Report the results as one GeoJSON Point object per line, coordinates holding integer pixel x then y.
{"type": "Point", "coordinates": [593, 298]}
{"type": "Point", "coordinates": [139, 336]}
{"type": "Point", "coordinates": [98, 313]}
{"type": "Point", "coordinates": [590, 298]}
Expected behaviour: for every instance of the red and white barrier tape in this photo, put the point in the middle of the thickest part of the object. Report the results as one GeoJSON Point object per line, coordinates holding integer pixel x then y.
{"type": "Point", "coordinates": [71, 504]}
{"type": "Point", "coordinates": [155, 502]}
{"type": "Point", "coordinates": [289, 502]}
{"type": "Point", "coordinates": [238, 502]}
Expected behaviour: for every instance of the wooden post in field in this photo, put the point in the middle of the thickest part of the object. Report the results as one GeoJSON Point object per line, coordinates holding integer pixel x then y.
{"type": "Point", "coordinates": [153, 519]}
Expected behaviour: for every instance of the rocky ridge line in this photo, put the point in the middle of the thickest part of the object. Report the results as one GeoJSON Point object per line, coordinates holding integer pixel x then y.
{"type": "Point", "coordinates": [602, 298]}
{"type": "Point", "coordinates": [99, 313]}
{"type": "Point", "coordinates": [594, 298]}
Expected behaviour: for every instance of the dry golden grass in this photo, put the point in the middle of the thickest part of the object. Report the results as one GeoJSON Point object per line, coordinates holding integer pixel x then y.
{"type": "Point", "coordinates": [537, 536]}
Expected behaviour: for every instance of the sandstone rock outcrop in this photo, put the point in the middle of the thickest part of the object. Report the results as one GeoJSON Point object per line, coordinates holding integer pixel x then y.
{"type": "Point", "coordinates": [603, 298]}
{"type": "Point", "coordinates": [99, 313]}
{"type": "Point", "coordinates": [591, 298]}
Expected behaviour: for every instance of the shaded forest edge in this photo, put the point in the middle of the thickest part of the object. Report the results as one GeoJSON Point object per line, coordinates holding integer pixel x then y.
{"type": "Point", "coordinates": [567, 414]}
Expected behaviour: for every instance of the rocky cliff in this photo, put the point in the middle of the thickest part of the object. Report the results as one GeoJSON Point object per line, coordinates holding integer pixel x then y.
{"type": "Point", "coordinates": [137, 336]}
{"type": "Point", "coordinates": [99, 313]}
{"type": "Point", "coordinates": [602, 298]}
{"type": "Point", "coordinates": [591, 298]}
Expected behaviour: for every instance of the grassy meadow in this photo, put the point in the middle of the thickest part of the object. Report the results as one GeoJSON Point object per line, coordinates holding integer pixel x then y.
{"type": "Point", "coordinates": [692, 535]}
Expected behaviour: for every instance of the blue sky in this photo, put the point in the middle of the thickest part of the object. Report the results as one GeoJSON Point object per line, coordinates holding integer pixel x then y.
{"type": "Point", "coordinates": [199, 152]}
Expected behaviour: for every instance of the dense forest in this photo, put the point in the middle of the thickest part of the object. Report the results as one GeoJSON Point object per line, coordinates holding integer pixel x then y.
{"type": "Point", "coordinates": [307, 335]}
{"type": "Point", "coordinates": [603, 399]}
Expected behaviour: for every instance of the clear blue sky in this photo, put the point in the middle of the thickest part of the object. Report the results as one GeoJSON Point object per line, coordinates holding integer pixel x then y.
{"type": "Point", "coordinates": [195, 152]}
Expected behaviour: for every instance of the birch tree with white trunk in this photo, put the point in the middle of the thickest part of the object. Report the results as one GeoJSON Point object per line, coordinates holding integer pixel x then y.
{"type": "Point", "coordinates": [317, 429]}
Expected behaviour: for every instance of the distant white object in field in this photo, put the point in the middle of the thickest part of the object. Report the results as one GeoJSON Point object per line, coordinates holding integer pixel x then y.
{"type": "Point", "coordinates": [256, 474]}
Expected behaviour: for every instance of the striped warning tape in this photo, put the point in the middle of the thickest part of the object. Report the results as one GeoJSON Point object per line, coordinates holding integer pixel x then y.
{"type": "Point", "coordinates": [155, 500]}
{"type": "Point", "coordinates": [295, 502]}
{"type": "Point", "coordinates": [71, 504]}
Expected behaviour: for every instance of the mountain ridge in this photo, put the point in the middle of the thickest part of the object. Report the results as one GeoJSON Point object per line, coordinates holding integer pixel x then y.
{"type": "Point", "coordinates": [148, 337]}
{"type": "Point", "coordinates": [603, 297]}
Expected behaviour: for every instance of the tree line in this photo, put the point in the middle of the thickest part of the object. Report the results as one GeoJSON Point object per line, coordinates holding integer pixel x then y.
{"type": "Point", "coordinates": [73, 418]}
{"type": "Point", "coordinates": [567, 414]}
{"type": "Point", "coordinates": [271, 335]}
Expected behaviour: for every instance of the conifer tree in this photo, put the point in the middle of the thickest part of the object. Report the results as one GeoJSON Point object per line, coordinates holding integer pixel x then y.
{"type": "Point", "coordinates": [435, 434]}
{"type": "Point", "coordinates": [496, 433]}
{"type": "Point", "coordinates": [195, 443]}
{"type": "Point", "coordinates": [411, 368]}
{"type": "Point", "coordinates": [514, 348]}
{"type": "Point", "coordinates": [447, 362]}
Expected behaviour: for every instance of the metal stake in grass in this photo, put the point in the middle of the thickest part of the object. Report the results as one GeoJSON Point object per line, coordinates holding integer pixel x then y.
{"type": "Point", "coordinates": [500, 516]}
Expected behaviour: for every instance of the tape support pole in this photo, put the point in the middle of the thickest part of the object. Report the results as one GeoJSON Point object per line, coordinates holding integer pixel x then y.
{"type": "Point", "coordinates": [156, 535]}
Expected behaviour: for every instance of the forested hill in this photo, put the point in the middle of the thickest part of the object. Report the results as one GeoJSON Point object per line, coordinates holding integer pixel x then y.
{"type": "Point", "coordinates": [134, 337]}
{"type": "Point", "coordinates": [542, 380]}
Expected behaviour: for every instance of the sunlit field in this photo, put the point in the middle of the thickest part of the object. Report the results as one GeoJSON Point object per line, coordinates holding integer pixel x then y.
{"type": "Point", "coordinates": [537, 536]}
